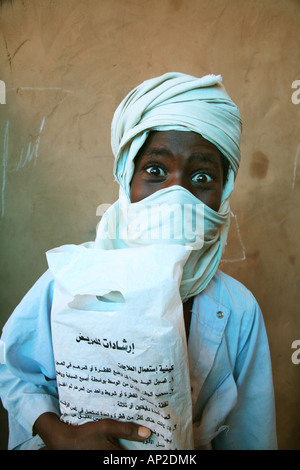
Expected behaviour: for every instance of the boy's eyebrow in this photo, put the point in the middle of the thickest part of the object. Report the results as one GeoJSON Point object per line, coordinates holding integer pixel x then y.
{"type": "Point", "coordinates": [158, 151]}
{"type": "Point", "coordinates": [208, 157]}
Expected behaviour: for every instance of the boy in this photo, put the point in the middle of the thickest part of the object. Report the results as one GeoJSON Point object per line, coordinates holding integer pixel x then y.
{"type": "Point", "coordinates": [173, 136]}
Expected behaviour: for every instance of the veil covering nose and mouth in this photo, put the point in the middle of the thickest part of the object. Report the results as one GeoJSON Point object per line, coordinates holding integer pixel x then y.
{"type": "Point", "coordinates": [180, 102]}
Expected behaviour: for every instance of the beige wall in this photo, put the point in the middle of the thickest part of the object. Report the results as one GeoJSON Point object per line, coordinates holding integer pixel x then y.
{"type": "Point", "coordinates": [68, 63]}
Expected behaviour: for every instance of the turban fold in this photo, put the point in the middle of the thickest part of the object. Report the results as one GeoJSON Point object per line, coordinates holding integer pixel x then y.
{"type": "Point", "coordinates": [175, 101]}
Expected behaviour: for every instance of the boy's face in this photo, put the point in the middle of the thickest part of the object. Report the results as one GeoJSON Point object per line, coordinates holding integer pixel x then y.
{"type": "Point", "coordinates": [178, 158]}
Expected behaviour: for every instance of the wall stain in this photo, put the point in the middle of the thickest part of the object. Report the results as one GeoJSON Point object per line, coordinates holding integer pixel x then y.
{"type": "Point", "coordinates": [259, 165]}
{"type": "Point", "coordinates": [292, 259]}
{"type": "Point", "coordinates": [176, 4]}
{"type": "Point", "coordinates": [254, 256]}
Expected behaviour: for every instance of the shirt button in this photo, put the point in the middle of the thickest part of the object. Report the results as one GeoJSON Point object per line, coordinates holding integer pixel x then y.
{"type": "Point", "coordinates": [220, 314]}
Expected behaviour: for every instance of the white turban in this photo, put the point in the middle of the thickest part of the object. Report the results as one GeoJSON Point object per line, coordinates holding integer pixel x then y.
{"type": "Point", "coordinates": [175, 101]}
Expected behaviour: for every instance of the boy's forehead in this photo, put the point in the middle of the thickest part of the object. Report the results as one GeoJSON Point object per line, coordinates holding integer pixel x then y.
{"type": "Point", "coordinates": [184, 138]}
{"type": "Point", "coordinates": [160, 144]}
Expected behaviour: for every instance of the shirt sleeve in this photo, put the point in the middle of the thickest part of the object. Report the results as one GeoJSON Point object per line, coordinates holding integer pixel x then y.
{"type": "Point", "coordinates": [27, 370]}
{"type": "Point", "coordinates": [251, 423]}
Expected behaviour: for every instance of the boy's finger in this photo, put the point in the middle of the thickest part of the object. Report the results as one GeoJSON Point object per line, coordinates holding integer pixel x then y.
{"type": "Point", "coordinates": [124, 430]}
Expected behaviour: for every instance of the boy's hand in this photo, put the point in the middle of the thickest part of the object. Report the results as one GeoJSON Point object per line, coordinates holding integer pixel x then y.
{"type": "Point", "coordinates": [97, 435]}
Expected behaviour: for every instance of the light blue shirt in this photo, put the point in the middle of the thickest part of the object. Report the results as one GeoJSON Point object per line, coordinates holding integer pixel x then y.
{"type": "Point", "coordinates": [229, 359]}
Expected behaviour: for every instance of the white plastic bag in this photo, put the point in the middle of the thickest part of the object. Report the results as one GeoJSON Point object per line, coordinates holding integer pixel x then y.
{"type": "Point", "coordinates": [119, 340]}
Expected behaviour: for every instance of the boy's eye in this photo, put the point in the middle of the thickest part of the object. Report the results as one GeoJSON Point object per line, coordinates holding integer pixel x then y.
{"type": "Point", "coordinates": [155, 170]}
{"type": "Point", "coordinates": [201, 178]}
